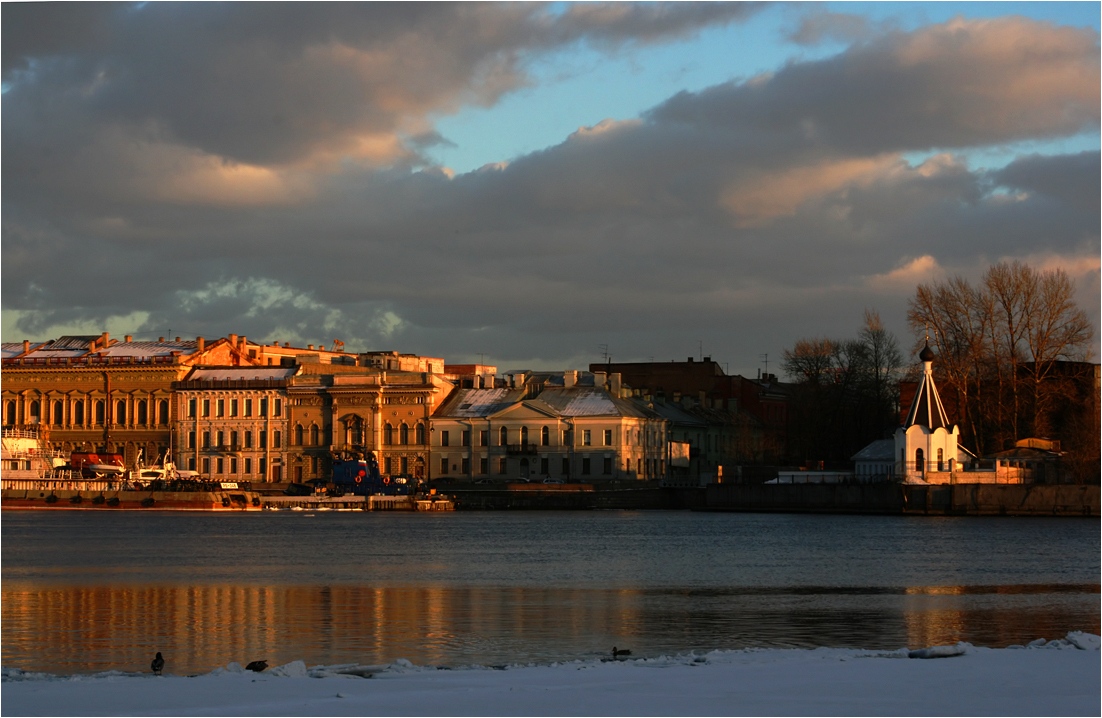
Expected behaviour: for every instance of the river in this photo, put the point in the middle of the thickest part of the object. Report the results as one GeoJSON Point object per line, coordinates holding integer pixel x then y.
{"type": "Point", "coordinates": [93, 591]}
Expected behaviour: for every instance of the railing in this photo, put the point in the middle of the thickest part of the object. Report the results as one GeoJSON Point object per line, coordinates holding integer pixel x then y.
{"type": "Point", "coordinates": [522, 449]}
{"type": "Point", "coordinates": [88, 360]}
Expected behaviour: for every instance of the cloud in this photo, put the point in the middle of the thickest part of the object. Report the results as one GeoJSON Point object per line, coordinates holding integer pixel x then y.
{"type": "Point", "coordinates": [288, 200]}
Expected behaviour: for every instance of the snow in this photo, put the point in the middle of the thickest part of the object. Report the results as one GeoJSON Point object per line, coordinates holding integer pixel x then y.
{"type": "Point", "coordinates": [1059, 677]}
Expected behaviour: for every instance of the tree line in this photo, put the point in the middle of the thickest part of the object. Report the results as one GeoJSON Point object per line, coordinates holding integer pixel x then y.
{"type": "Point", "coordinates": [1012, 355]}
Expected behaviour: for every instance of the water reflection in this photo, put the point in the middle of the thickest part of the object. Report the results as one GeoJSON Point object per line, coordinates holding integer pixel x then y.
{"type": "Point", "coordinates": [70, 629]}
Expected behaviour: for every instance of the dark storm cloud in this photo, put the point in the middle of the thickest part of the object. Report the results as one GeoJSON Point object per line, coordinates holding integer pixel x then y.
{"type": "Point", "coordinates": [753, 212]}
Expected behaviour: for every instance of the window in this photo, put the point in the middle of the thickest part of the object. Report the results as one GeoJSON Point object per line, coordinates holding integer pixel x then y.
{"type": "Point", "coordinates": [264, 406]}
{"type": "Point", "coordinates": [206, 439]}
{"type": "Point", "coordinates": [191, 440]}
{"type": "Point", "coordinates": [941, 459]}
{"type": "Point", "coordinates": [220, 407]}
{"type": "Point", "coordinates": [143, 412]}
{"type": "Point", "coordinates": [315, 438]}
{"type": "Point", "coordinates": [101, 410]}
{"type": "Point", "coordinates": [502, 466]}
{"type": "Point", "coordinates": [233, 439]}
{"type": "Point", "coordinates": [466, 466]}
{"type": "Point", "coordinates": [277, 439]}
{"type": "Point", "coordinates": [607, 468]}
{"type": "Point", "coordinates": [120, 412]}
{"type": "Point", "coordinates": [59, 413]}
{"type": "Point", "coordinates": [918, 460]}
{"type": "Point", "coordinates": [388, 434]}
{"type": "Point", "coordinates": [78, 414]}
{"type": "Point", "coordinates": [298, 435]}
{"type": "Point", "coordinates": [206, 407]}
{"type": "Point", "coordinates": [262, 467]}
{"type": "Point", "coordinates": [403, 465]}
{"type": "Point", "coordinates": [566, 467]}
{"type": "Point", "coordinates": [220, 466]}
{"type": "Point", "coordinates": [544, 468]}
{"type": "Point", "coordinates": [248, 465]}
{"type": "Point", "coordinates": [465, 437]}
{"type": "Point", "coordinates": [248, 440]}
{"type": "Point", "coordinates": [420, 434]}
{"type": "Point", "coordinates": [388, 466]}
{"type": "Point", "coordinates": [403, 434]}
{"type": "Point", "coordinates": [587, 439]}
{"type": "Point", "coordinates": [278, 407]}
{"type": "Point", "coordinates": [483, 466]}
{"type": "Point", "coordinates": [504, 436]}
{"type": "Point", "coordinates": [585, 467]}
{"type": "Point", "coordinates": [191, 463]}
{"type": "Point", "coordinates": [162, 412]}
{"type": "Point", "coordinates": [484, 438]}
{"type": "Point", "coordinates": [608, 437]}
{"type": "Point", "coordinates": [444, 465]}
{"type": "Point", "coordinates": [524, 436]}
{"type": "Point", "coordinates": [545, 436]}
{"type": "Point", "coordinates": [233, 407]}
{"type": "Point", "coordinates": [248, 408]}
{"type": "Point", "coordinates": [206, 466]}
{"type": "Point", "coordinates": [191, 408]}
{"type": "Point", "coordinates": [263, 439]}
{"type": "Point", "coordinates": [444, 439]}
{"type": "Point", "coordinates": [9, 413]}
{"type": "Point", "coordinates": [219, 439]}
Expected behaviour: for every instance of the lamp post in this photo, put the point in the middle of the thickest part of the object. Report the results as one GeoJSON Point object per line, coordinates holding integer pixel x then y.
{"type": "Point", "coordinates": [428, 464]}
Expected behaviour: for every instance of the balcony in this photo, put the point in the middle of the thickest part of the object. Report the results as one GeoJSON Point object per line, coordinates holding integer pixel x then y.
{"type": "Point", "coordinates": [521, 449]}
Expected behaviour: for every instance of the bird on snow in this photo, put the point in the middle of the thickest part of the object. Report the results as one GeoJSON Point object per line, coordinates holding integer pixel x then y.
{"type": "Point", "coordinates": [257, 666]}
{"type": "Point", "coordinates": [158, 664]}
{"type": "Point", "coordinates": [619, 652]}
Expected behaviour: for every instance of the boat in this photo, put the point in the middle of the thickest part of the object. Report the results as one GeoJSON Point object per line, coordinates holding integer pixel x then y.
{"type": "Point", "coordinates": [37, 477]}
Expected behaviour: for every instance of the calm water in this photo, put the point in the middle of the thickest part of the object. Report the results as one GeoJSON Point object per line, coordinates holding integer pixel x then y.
{"type": "Point", "coordinates": [92, 591]}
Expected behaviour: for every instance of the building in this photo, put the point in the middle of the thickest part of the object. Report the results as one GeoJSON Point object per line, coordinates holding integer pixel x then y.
{"type": "Point", "coordinates": [563, 426]}
{"type": "Point", "coordinates": [98, 393]}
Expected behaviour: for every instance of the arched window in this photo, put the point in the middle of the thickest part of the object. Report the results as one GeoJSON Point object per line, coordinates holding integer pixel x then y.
{"type": "Point", "coordinates": [388, 434]}
{"type": "Point", "coordinates": [420, 433]}
{"type": "Point", "coordinates": [78, 413]}
{"type": "Point", "coordinates": [314, 437]}
{"type": "Point", "coordinates": [403, 434]}
{"type": "Point", "coordinates": [545, 436]}
{"type": "Point", "coordinates": [143, 412]}
{"type": "Point", "coordinates": [298, 434]}
{"type": "Point", "coordinates": [920, 465]}
{"type": "Point", "coordinates": [58, 417]}
{"type": "Point", "coordinates": [9, 413]}
{"type": "Point", "coordinates": [941, 459]}
{"type": "Point", "coordinates": [524, 435]}
{"type": "Point", "coordinates": [120, 411]}
{"type": "Point", "coordinates": [504, 436]}
{"type": "Point", "coordinates": [35, 410]}
{"type": "Point", "coordinates": [101, 411]}
{"type": "Point", "coordinates": [162, 412]}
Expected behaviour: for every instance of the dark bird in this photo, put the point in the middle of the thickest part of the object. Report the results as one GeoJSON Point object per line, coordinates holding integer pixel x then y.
{"type": "Point", "coordinates": [257, 666]}
{"type": "Point", "coordinates": [158, 664]}
{"type": "Point", "coordinates": [619, 652]}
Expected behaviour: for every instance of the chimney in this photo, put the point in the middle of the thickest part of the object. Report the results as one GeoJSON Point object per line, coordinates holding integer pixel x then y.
{"type": "Point", "coordinates": [615, 383]}
{"type": "Point", "coordinates": [233, 340]}
{"type": "Point", "coordinates": [202, 344]}
{"type": "Point", "coordinates": [599, 378]}
{"type": "Point", "coordinates": [309, 346]}
{"type": "Point", "coordinates": [570, 378]}
{"type": "Point", "coordinates": [26, 346]}
{"type": "Point", "coordinates": [690, 360]}
{"type": "Point", "coordinates": [177, 338]}
{"type": "Point", "coordinates": [129, 338]}
{"type": "Point", "coordinates": [160, 340]}
{"type": "Point", "coordinates": [243, 343]}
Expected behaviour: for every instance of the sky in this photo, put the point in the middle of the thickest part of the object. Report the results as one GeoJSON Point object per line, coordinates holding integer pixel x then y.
{"type": "Point", "coordinates": [537, 185]}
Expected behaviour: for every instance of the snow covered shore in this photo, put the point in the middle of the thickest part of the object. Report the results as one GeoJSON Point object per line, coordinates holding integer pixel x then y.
{"type": "Point", "coordinates": [1059, 677]}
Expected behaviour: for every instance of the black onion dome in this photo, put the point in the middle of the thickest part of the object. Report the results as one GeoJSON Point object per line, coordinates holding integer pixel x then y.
{"type": "Point", "coordinates": [927, 354]}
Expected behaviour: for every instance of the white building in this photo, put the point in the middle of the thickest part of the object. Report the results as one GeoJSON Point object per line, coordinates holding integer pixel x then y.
{"type": "Point", "coordinates": [926, 443]}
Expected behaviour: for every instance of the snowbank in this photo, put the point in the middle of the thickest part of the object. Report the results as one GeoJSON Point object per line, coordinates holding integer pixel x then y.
{"type": "Point", "coordinates": [1045, 678]}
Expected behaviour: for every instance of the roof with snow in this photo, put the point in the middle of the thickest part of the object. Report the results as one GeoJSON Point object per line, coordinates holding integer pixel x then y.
{"type": "Point", "coordinates": [588, 401]}
{"type": "Point", "coordinates": [243, 373]}
{"type": "Point", "coordinates": [879, 450]}
{"type": "Point", "coordinates": [479, 403]}
{"type": "Point", "coordinates": [148, 349]}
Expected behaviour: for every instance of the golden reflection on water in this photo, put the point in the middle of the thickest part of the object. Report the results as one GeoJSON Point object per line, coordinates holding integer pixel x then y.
{"type": "Point", "coordinates": [198, 628]}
